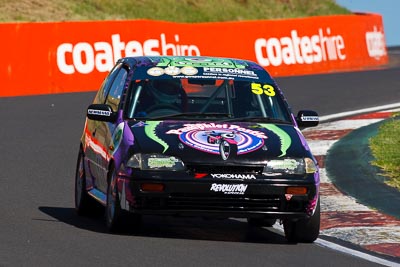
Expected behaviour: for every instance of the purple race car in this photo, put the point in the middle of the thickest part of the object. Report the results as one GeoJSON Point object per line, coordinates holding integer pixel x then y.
{"type": "Point", "coordinates": [197, 136]}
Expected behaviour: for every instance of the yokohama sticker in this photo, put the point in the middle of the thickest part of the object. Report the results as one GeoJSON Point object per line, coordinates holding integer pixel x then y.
{"type": "Point", "coordinates": [229, 189]}
{"type": "Point", "coordinates": [233, 176]}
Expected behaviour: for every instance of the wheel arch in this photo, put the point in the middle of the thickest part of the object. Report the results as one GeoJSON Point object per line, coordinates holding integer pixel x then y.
{"type": "Point", "coordinates": [110, 167]}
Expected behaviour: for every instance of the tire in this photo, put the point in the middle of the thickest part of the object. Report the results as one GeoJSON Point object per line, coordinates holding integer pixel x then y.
{"type": "Point", "coordinates": [113, 214]}
{"type": "Point", "coordinates": [84, 204]}
{"type": "Point", "coordinates": [304, 230]}
{"type": "Point", "coordinates": [117, 220]}
{"type": "Point", "coordinates": [261, 222]}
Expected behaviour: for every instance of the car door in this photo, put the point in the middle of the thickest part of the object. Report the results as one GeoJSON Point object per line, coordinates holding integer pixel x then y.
{"type": "Point", "coordinates": [95, 132]}
{"type": "Point", "coordinates": [104, 130]}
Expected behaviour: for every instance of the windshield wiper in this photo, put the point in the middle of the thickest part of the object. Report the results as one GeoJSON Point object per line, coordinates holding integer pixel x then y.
{"type": "Point", "coordinates": [258, 119]}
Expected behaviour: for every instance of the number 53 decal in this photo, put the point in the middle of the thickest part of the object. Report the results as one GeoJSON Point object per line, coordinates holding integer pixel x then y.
{"type": "Point", "coordinates": [259, 89]}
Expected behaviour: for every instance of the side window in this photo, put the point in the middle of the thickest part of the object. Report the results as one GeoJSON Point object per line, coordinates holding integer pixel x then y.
{"type": "Point", "coordinates": [116, 89]}
{"type": "Point", "coordinates": [103, 91]}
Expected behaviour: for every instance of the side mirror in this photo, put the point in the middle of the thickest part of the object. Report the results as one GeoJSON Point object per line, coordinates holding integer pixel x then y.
{"type": "Point", "coordinates": [307, 118]}
{"type": "Point", "coordinates": [101, 112]}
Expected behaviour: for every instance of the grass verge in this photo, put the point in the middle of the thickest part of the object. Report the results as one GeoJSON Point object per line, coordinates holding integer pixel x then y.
{"type": "Point", "coordinates": [168, 10]}
{"type": "Point", "coordinates": [385, 147]}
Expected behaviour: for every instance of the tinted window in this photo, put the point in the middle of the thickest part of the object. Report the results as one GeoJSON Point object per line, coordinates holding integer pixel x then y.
{"type": "Point", "coordinates": [117, 88]}
{"type": "Point", "coordinates": [206, 99]}
{"type": "Point", "coordinates": [103, 91]}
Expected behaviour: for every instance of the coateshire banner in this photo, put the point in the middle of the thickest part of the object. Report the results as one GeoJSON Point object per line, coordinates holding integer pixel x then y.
{"type": "Point", "coordinates": [60, 57]}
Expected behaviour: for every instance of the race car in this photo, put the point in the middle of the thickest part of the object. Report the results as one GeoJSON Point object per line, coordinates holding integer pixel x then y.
{"type": "Point", "coordinates": [197, 136]}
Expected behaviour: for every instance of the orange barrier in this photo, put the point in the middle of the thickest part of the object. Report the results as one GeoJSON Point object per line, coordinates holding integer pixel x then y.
{"type": "Point", "coordinates": [42, 58]}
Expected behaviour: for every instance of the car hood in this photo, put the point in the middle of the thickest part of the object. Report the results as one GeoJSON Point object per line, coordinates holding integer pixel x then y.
{"type": "Point", "coordinates": [219, 143]}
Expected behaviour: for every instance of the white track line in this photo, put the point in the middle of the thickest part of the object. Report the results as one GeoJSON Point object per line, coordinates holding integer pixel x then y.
{"type": "Point", "coordinates": [321, 147]}
{"type": "Point", "coordinates": [346, 250]}
{"type": "Point", "coordinates": [355, 253]}
{"type": "Point", "coordinates": [360, 111]}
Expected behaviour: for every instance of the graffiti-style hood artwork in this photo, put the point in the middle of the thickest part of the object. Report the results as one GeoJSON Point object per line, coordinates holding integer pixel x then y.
{"type": "Point", "coordinates": [218, 142]}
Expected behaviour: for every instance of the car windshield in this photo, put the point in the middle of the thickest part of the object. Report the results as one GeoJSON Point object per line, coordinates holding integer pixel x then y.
{"type": "Point", "coordinates": [206, 99]}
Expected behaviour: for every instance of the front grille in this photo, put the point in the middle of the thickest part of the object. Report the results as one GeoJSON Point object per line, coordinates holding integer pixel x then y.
{"type": "Point", "coordinates": [256, 170]}
{"type": "Point", "coordinates": [185, 202]}
{"type": "Point", "coordinates": [232, 203]}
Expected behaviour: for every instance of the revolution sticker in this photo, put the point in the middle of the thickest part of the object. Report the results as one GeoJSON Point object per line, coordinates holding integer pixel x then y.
{"type": "Point", "coordinates": [229, 189]}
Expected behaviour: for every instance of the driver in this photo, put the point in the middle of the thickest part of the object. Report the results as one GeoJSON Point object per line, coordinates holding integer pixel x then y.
{"type": "Point", "coordinates": [163, 94]}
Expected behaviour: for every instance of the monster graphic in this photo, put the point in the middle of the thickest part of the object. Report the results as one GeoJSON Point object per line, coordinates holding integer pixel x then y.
{"type": "Point", "coordinates": [227, 140]}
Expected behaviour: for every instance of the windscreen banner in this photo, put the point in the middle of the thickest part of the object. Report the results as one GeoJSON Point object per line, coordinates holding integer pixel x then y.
{"type": "Point", "coordinates": [61, 57]}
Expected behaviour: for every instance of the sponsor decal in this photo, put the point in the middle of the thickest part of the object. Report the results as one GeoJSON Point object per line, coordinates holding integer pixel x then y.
{"type": "Point", "coordinates": [286, 164]}
{"type": "Point", "coordinates": [84, 57]}
{"type": "Point", "coordinates": [225, 139]}
{"type": "Point", "coordinates": [233, 176]}
{"type": "Point", "coordinates": [217, 126]}
{"type": "Point", "coordinates": [225, 73]}
{"type": "Point", "coordinates": [376, 44]}
{"type": "Point", "coordinates": [229, 71]}
{"type": "Point", "coordinates": [210, 68]}
{"type": "Point", "coordinates": [188, 70]}
{"type": "Point", "coordinates": [99, 112]}
{"type": "Point", "coordinates": [155, 71]}
{"type": "Point", "coordinates": [309, 118]}
{"type": "Point", "coordinates": [200, 63]}
{"type": "Point", "coordinates": [162, 162]}
{"type": "Point", "coordinates": [229, 189]}
{"type": "Point", "coordinates": [117, 135]}
{"type": "Point", "coordinates": [295, 49]}
{"type": "Point", "coordinates": [172, 70]}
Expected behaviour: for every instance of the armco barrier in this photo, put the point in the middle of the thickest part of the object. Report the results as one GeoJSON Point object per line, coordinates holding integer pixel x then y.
{"type": "Point", "coordinates": [58, 57]}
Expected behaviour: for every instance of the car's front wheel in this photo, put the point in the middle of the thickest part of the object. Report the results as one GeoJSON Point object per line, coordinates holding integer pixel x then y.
{"type": "Point", "coordinates": [117, 219]}
{"type": "Point", "coordinates": [84, 204]}
{"type": "Point", "coordinates": [304, 230]}
{"type": "Point", "coordinates": [113, 215]}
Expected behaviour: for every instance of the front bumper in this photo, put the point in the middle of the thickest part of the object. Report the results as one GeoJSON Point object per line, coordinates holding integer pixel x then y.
{"type": "Point", "coordinates": [187, 196]}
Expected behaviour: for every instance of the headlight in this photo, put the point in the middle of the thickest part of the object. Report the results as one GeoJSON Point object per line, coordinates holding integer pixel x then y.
{"type": "Point", "coordinates": [310, 165]}
{"type": "Point", "coordinates": [289, 166]}
{"type": "Point", "coordinates": [156, 162]}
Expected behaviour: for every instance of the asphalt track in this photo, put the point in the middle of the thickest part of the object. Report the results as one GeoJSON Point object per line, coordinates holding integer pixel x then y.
{"type": "Point", "coordinates": [38, 226]}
